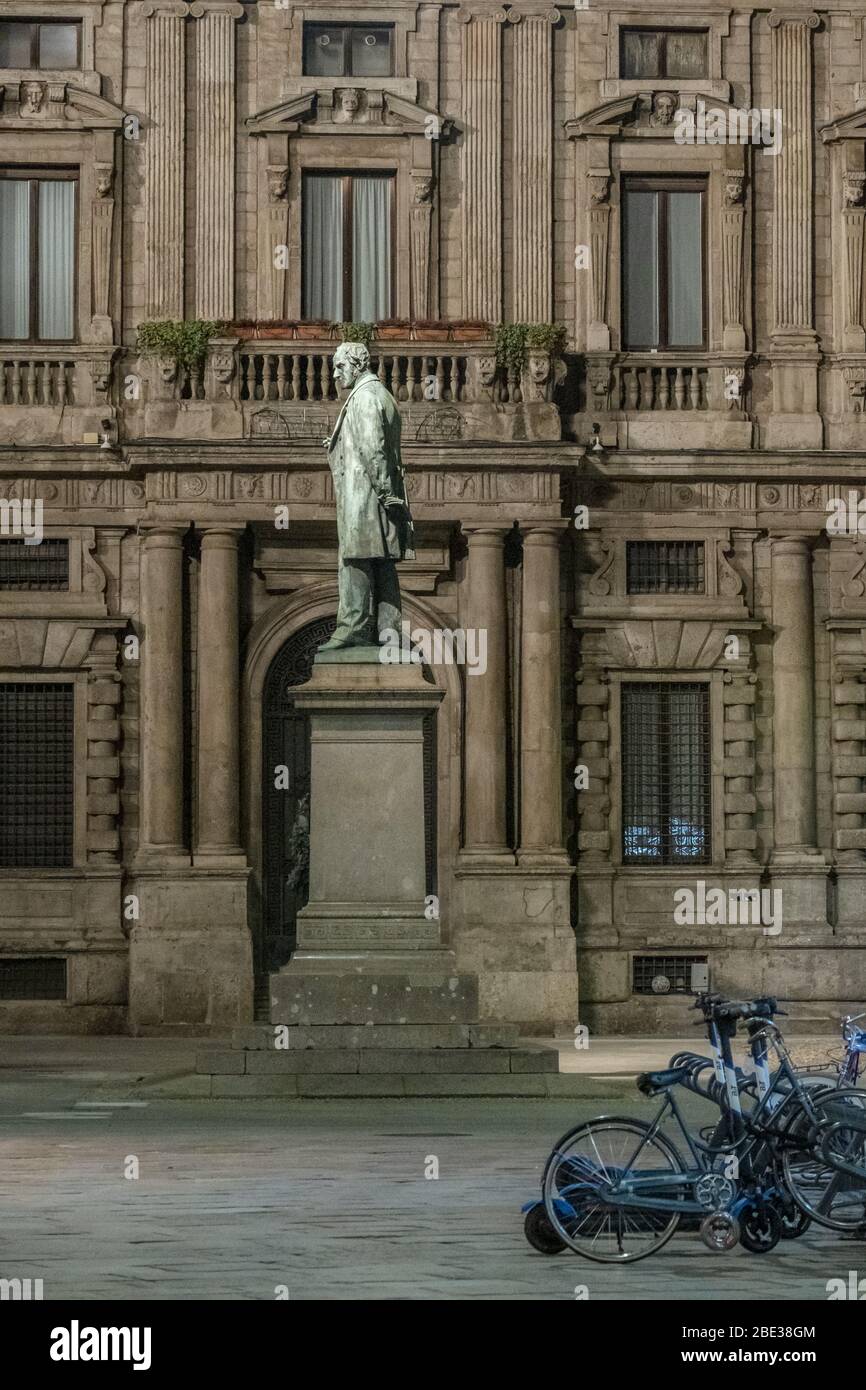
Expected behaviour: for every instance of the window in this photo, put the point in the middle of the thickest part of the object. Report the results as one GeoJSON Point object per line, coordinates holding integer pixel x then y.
{"type": "Point", "coordinates": [36, 788]}
{"type": "Point", "coordinates": [37, 43]}
{"type": "Point", "coordinates": [663, 264]}
{"type": "Point", "coordinates": [347, 241]}
{"type": "Point", "coordinates": [32, 977]}
{"type": "Point", "coordinates": [37, 234]}
{"type": "Point", "coordinates": [663, 53]}
{"type": "Point", "coordinates": [664, 567]}
{"type": "Point", "coordinates": [26, 567]}
{"type": "Point", "coordinates": [668, 974]}
{"type": "Point", "coordinates": [666, 773]}
{"type": "Point", "coordinates": [348, 50]}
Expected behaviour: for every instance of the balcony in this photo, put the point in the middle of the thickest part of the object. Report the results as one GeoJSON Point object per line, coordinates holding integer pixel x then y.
{"type": "Point", "coordinates": [669, 400]}
{"type": "Point", "coordinates": [54, 395]}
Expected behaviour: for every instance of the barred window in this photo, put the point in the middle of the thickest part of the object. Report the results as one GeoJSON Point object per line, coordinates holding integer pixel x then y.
{"type": "Point", "coordinates": [666, 773]}
{"type": "Point", "coordinates": [664, 974]}
{"type": "Point", "coordinates": [44, 566]}
{"type": "Point", "coordinates": [36, 775]}
{"type": "Point", "coordinates": [32, 977]}
{"type": "Point", "coordinates": [665, 567]}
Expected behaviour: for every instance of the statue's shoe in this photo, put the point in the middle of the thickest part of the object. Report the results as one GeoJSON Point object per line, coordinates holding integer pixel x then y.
{"type": "Point", "coordinates": [336, 644]}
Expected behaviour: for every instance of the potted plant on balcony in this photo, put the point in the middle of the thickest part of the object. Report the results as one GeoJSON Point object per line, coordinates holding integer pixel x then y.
{"type": "Point", "coordinates": [431, 331]}
{"type": "Point", "coordinates": [355, 332]}
{"type": "Point", "coordinates": [315, 329]}
{"type": "Point", "coordinates": [183, 342]}
{"type": "Point", "coordinates": [469, 330]}
{"type": "Point", "coordinates": [391, 330]}
{"type": "Point", "coordinates": [276, 328]}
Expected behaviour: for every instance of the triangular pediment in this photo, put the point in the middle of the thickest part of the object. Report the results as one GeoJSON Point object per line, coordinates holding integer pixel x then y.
{"type": "Point", "coordinates": [286, 116]}
{"type": "Point", "coordinates": [37, 104]}
{"type": "Point", "coordinates": [377, 111]}
{"type": "Point", "coordinates": [640, 115]}
{"type": "Point", "coordinates": [850, 127]}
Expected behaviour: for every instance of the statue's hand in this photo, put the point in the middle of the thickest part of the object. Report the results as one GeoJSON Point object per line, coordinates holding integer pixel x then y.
{"type": "Point", "coordinates": [326, 444]}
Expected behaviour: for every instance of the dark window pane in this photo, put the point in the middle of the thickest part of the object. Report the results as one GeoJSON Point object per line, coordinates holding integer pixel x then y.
{"type": "Point", "coordinates": [56, 258]}
{"type": "Point", "coordinates": [15, 45]}
{"type": "Point", "coordinates": [58, 45]}
{"type": "Point", "coordinates": [641, 53]}
{"type": "Point", "coordinates": [371, 52]}
{"type": "Point", "coordinates": [666, 773]}
{"type": "Point", "coordinates": [323, 247]}
{"type": "Point", "coordinates": [640, 269]}
{"type": "Point", "coordinates": [36, 789]}
{"type": "Point", "coordinates": [685, 270]}
{"type": "Point", "coordinates": [323, 51]}
{"type": "Point", "coordinates": [686, 55]}
{"type": "Point", "coordinates": [14, 259]}
{"type": "Point", "coordinates": [371, 248]}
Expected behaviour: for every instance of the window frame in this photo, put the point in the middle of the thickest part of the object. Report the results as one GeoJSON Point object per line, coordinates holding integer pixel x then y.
{"type": "Point", "coordinates": [347, 289]}
{"type": "Point", "coordinates": [664, 31]}
{"type": "Point", "coordinates": [78, 681]}
{"type": "Point", "coordinates": [661, 184]}
{"type": "Point", "coordinates": [36, 26]}
{"type": "Point", "coordinates": [345, 28]}
{"type": "Point", "coordinates": [36, 174]}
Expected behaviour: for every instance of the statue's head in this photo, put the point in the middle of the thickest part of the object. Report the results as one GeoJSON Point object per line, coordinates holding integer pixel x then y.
{"type": "Point", "coordinates": [350, 360]}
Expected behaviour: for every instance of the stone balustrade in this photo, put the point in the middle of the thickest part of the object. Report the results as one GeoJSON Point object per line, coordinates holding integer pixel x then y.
{"type": "Point", "coordinates": [645, 383]}
{"type": "Point", "coordinates": [43, 377]}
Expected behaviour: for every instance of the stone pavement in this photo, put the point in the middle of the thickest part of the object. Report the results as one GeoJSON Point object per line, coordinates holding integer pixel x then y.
{"type": "Point", "coordinates": [235, 1200]}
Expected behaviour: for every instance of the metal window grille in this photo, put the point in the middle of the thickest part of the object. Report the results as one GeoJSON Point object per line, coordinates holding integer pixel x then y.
{"type": "Point", "coordinates": [36, 775]}
{"type": "Point", "coordinates": [666, 773]}
{"type": "Point", "coordinates": [44, 566]}
{"type": "Point", "coordinates": [33, 977]}
{"type": "Point", "coordinates": [675, 970]}
{"type": "Point", "coordinates": [665, 567]}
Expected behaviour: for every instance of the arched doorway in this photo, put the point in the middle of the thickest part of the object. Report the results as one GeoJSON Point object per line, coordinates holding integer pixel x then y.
{"type": "Point", "coordinates": [286, 744]}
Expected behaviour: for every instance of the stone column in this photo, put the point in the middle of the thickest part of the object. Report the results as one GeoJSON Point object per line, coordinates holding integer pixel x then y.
{"type": "Point", "coordinates": [793, 700]}
{"type": "Point", "coordinates": [481, 164]}
{"type": "Point", "coordinates": [162, 696]}
{"type": "Point", "coordinates": [165, 109]}
{"type": "Point", "coordinates": [215, 157]}
{"type": "Point", "coordinates": [532, 206]}
{"type": "Point", "coordinates": [795, 421]}
{"type": "Point", "coordinates": [486, 704]}
{"type": "Point", "coordinates": [218, 833]}
{"type": "Point", "coordinates": [540, 711]}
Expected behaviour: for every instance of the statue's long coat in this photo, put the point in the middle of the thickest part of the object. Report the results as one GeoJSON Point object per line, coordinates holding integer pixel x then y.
{"type": "Point", "coordinates": [373, 517]}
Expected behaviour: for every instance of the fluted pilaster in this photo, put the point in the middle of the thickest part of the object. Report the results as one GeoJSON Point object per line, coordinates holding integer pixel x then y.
{"type": "Point", "coordinates": [532, 207]}
{"type": "Point", "coordinates": [164, 157]}
{"type": "Point", "coordinates": [792, 168]}
{"type": "Point", "coordinates": [793, 698]}
{"type": "Point", "coordinates": [215, 157]}
{"type": "Point", "coordinates": [481, 163]}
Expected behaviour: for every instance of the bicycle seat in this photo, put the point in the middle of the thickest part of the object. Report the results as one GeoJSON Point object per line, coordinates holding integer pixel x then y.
{"type": "Point", "coordinates": [649, 1083]}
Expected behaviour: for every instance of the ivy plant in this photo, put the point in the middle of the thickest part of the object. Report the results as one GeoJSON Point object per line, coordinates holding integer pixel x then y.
{"type": "Point", "coordinates": [515, 340]}
{"type": "Point", "coordinates": [185, 340]}
{"type": "Point", "coordinates": [357, 333]}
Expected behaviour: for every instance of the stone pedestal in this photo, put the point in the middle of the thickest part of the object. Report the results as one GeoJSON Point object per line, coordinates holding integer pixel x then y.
{"type": "Point", "coordinates": [367, 861]}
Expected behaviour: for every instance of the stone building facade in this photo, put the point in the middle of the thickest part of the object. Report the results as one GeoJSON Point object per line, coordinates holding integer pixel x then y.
{"type": "Point", "coordinates": [674, 700]}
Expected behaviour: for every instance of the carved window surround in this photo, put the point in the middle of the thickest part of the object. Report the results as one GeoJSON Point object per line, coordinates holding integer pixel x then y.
{"type": "Point", "coordinates": [631, 135]}
{"type": "Point", "coordinates": [402, 19]}
{"type": "Point", "coordinates": [665, 651]}
{"type": "Point", "coordinates": [61, 124]}
{"type": "Point", "coordinates": [717, 25]}
{"type": "Point", "coordinates": [848, 731]}
{"type": "Point", "coordinates": [846, 138]}
{"type": "Point", "coordinates": [87, 580]}
{"type": "Point", "coordinates": [387, 133]}
{"type": "Point", "coordinates": [604, 590]}
{"type": "Point", "coordinates": [87, 13]}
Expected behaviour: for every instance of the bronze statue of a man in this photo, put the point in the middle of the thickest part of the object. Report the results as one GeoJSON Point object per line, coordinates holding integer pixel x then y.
{"type": "Point", "coordinates": [374, 524]}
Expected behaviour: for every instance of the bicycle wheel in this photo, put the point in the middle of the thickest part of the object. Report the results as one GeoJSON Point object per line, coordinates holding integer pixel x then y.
{"type": "Point", "coordinates": [825, 1168]}
{"type": "Point", "coordinates": [586, 1166]}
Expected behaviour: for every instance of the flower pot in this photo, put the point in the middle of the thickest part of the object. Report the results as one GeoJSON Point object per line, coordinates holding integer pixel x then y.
{"type": "Point", "coordinates": [430, 331]}
{"type": "Point", "coordinates": [391, 332]}
{"type": "Point", "coordinates": [317, 329]}
{"type": "Point", "coordinates": [469, 331]}
{"type": "Point", "coordinates": [280, 329]}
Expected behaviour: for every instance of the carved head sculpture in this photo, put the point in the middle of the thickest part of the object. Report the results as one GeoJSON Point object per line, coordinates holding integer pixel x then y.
{"type": "Point", "coordinates": [223, 367]}
{"type": "Point", "coordinates": [167, 367]}
{"type": "Point", "coordinates": [278, 181]}
{"type": "Point", "coordinates": [350, 361]}
{"type": "Point", "coordinates": [104, 177]}
{"type": "Point", "coordinates": [735, 184]}
{"type": "Point", "coordinates": [34, 95]}
{"type": "Point", "coordinates": [664, 107]}
{"type": "Point", "coordinates": [486, 370]}
{"type": "Point", "coordinates": [423, 190]}
{"type": "Point", "coordinates": [539, 367]}
{"type": "Point", "coordinates": [101, 376]}
{"type": "Point", "coordinates": [350, 101]}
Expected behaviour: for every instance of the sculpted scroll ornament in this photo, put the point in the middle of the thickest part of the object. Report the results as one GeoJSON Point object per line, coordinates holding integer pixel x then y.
{"type": "Point", "coordinates": [599, 582]}
{"type": "Point", "coordinates": [730, 582]}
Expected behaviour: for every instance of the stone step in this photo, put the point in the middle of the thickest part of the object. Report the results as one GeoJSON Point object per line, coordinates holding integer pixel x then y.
{"type": "Point", "coordinates": [362, 1061]}
{"type": "Point", "coordinates": [398, 1084]}
{"type": "Point", "coordinates": [262, 1037]}
{"type": "Point", "coordinates": [350, 996]}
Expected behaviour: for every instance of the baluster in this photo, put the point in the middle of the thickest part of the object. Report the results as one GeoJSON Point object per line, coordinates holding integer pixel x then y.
{"type": "Point", "coordinates": [380, 370]}
{"type": "Point", "coordinates": [680, 389]}
{"type": "Point", "coordinates": [16, 382]}
{"type": "Point", "coordinates": [296, 376]}
{"type": "Point", "coordinates": [2, 383]}
{"type": "Point", "coordinates": [267, 376]}
{"type": "Point", "coordinates": [414, 377]}
{"type": "Point", "coordinates": [441, 386]}
{"type": "Point", "coordinates": [695, 389]}
{"type": "Point", "coordinates": [30, 387]}
{"type": "Point", "coordinates": [449, 378]}
{"type": "Point", "coordinates": [62, 384]}
{"type": "Point", "coordinates": [664, 394]}
{"type": "Point", "coordinates": [631, 388]}
{"type": "Point", "coordinates": [281, 376]}
{"type": "Point", "coordinates": [327, 377]}
{"type": "Point", "coordinates": [310, 378]}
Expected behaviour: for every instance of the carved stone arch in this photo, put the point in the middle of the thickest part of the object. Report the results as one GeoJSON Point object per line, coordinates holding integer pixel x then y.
{"type": "Point", "coordinates": [312, 611]}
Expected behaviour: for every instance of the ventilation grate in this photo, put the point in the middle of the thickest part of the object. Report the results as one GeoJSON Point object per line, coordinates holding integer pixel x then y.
{"type": "Point", "coordinates": [664, 567]}
{"type": "Point", "coordinates": [32, 977]}
{"type": "Point", "coordinates": [664, 974]}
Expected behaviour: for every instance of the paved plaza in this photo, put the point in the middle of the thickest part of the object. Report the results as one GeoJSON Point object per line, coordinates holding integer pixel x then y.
{"type": "Point", "coordinates": [315, 1199]}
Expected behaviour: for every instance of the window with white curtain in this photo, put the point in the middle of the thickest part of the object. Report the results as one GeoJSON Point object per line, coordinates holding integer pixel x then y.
{"type": "Point", "coordinates": [37, 258]}
{"type": "Point", "coordinates": [663, 264]}
{"type": "Point", "coordinates": [348, 247]}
